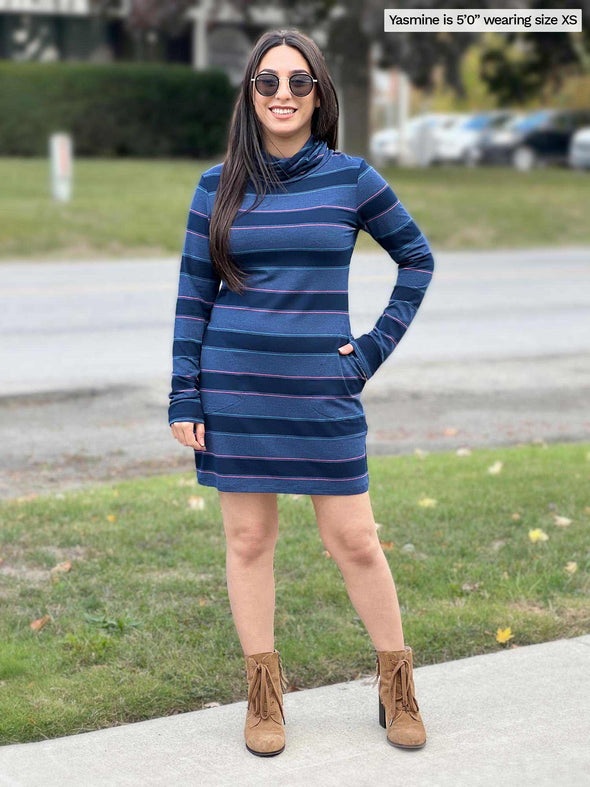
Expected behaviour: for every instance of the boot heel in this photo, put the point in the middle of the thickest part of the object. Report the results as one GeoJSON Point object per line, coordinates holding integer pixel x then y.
{"type": "Point", "coordinates": [382, 714]}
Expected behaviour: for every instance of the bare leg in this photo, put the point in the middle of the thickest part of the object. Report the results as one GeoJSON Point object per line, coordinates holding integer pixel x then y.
{"type": "Point", "coordinates": [347, 528]}
{"type": "Point", "coordinates": [251, 524]}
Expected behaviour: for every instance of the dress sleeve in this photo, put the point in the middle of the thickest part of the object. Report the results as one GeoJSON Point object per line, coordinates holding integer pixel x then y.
{"type": "Point", "coordinates": [382, 215]}
{"type": "Point", "coordinates": [198, 286]}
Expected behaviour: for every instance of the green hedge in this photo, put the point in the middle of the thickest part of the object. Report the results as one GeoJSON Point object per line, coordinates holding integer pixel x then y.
{"type": "Point", "coordinates": [122, 109]}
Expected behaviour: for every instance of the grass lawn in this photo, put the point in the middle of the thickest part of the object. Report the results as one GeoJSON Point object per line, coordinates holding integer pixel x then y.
{"type": "Point", "coordinates": [140, 626]}
{"type": "Point", "coordinates": [139, 207]}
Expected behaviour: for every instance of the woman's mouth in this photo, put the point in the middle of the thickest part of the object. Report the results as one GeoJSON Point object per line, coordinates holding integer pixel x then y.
{"type": "Point", "coordinates": [280, 112]}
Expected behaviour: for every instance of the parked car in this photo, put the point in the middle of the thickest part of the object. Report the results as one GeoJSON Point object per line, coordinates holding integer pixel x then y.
{"type": "Point", "coordinates": [420, 139]}
{"type": "Point", "coordinates": [540, 137]}
{"type": "Point", "coordinates": [579, 152]}
{"type": "Point", "coordinates": [458, 143]}
{"type": "Point", "coordinates": [384, 146]}
{"type": "Point", "coordinates": [443, 133]}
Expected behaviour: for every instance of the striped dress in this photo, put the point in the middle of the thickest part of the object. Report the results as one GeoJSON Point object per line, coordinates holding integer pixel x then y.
{"type": "Point", "coordinates": [281, 406]}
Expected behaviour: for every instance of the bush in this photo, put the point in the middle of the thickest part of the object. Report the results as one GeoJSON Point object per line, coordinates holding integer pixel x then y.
{"type": "Point", "coordinates": [121, 109]}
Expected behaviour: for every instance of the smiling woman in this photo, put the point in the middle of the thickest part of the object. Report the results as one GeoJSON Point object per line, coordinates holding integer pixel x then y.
{"type": "Point", "coordinates": [266, 366]}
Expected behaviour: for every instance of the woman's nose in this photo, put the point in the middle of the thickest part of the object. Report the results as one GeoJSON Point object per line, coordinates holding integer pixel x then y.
{"type": "Point", "coordinates": [284, 91]}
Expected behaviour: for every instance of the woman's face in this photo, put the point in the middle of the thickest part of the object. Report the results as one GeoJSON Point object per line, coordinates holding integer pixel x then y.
{"type": "Point", "coordinates": [284, 60]}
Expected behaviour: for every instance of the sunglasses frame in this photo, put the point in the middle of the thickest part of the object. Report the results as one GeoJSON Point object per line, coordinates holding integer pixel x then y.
{"type": "Point", "coordinates": [293, 76]}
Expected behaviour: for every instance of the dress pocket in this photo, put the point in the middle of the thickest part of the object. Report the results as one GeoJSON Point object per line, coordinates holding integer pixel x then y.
{"type": "Point", "coordinates": [352, 373]}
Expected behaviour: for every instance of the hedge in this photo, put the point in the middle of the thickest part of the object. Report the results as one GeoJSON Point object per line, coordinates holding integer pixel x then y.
{"type": "Point", "coordinates": [120, 109]}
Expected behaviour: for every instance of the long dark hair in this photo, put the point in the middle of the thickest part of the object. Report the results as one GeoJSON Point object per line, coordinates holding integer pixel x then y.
{"type": "Point", "coordinates": [245, 148]}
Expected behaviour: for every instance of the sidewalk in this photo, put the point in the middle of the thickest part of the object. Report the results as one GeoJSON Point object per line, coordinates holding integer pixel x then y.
{"type": "Point", "coordinates": [519, 717]}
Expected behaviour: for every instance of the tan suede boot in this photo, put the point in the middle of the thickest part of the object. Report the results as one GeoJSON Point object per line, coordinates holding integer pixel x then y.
{"type": "Point", "coordinates": [398, 709]}
{"type": "Point", "coordinates": [264, 731]}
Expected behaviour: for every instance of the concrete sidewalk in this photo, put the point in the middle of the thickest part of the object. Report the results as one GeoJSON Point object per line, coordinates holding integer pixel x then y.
{"type": "Point", "coordinates": [519, 717]}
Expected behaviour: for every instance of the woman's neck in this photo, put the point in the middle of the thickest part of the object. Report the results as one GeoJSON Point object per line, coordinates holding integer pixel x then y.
{"type": "Point", "coordinates": [285, 147]}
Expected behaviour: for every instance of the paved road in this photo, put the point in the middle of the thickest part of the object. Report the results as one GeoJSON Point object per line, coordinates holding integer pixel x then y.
{"type": "Point", "coordinates": [499, 352]}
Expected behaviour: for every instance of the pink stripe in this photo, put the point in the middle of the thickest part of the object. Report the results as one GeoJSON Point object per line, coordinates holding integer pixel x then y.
{"type": "Point", "coordinates": [283, 396]}
{"type": "Point", "coordinates": [283, 226]}
{"type": "Point", "coordinates": [297, 210]}
{"type": "Point", "coordinates": [373, 197]}
{"type": "Point", "coordinates": [383, 212]}
{"type": "Point", "coordinates": [290, 458]}
{"type": "Point", "coordinates": [281, 477]}
{"type": "Point", "coordinates": [281, 311]}
{"type": "Point", "coordinates": [193, 298]}
{"type": "Point", "coordinates": [198, 212]}
{"type": "Point", "coordinates": [198, 234]}
{"type": "Point", "coordinates": [390, 337]}
{"type": "Point", "coordinates": [395, 319]}
{"type": "Point", "coordinates": [184, 390]}
{"type": "Point", "coordinates": [184, 317]}
{"type": "Point", "coordinates": [283, 376]}
{"type": "Point", "coordinates": [267, 289]}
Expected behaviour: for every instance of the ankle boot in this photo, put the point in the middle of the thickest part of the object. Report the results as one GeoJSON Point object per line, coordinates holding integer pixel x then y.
{"type": "Point", "coordinates": [398, 709]}
{"type": "Point", "coordinates": [264, 731]}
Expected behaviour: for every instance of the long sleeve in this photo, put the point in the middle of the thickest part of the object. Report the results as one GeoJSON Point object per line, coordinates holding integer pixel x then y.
{"type": "Point", "coordinates": [198, 286]}
{"type": "Point", "coordinates": [382, 215]}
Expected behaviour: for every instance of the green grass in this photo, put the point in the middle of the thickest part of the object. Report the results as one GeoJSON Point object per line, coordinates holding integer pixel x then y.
{"type": "Point", "coordinates": [128, 207]}
{"type": "Point", "coordinates": [141, 626]}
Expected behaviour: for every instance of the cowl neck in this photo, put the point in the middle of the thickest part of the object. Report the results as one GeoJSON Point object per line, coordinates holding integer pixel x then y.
{"type": "Point", "coordinates": [307, 158]}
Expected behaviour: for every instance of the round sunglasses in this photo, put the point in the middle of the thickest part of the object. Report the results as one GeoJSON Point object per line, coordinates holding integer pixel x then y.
{"type": "Point", "coordinates": [299, 84]}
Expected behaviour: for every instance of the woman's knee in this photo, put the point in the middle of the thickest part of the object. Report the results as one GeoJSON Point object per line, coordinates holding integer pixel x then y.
{"type": "Point", "coordinates": [251, 523]}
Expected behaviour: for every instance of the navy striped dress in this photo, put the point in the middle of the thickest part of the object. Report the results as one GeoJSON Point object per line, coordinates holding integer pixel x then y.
{"type": "Point", "coordinates": [281, 406]}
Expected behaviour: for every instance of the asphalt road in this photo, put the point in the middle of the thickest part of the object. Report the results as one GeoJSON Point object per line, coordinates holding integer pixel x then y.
{"type": "Point", "coordinates": [498, 354]}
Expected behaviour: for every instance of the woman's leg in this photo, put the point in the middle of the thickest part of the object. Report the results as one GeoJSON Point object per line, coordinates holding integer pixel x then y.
{"type": "Point", "coordinates": [347, 528]}
{"type": "Point", "coordinates": [251, 524]}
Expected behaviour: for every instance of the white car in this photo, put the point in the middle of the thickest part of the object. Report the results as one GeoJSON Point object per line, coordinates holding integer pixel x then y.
{"type": "Point", "coordinates": [459, 143]}
{"type": "Point", "coordinates": [579, 150]}
{"type": "Point", "coordinates": [384, 146]}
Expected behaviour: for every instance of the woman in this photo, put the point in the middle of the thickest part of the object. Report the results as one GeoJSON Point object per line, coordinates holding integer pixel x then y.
{"type": "Point", "coordinates": [267, 372]}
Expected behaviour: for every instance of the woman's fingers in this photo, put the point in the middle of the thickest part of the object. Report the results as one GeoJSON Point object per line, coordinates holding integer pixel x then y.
{"type": "Point", "coordinates": [200, 430]}
{"type": "Point", "coordinates": [348, 349]}
{"type": "Point", "coordinates": [190, 434]}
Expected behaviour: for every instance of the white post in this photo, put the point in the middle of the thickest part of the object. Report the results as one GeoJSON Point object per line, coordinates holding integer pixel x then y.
{"type": "Point", "coordinates": [60, 153]}
{"type": "Point", "coordinates": [403, 104]}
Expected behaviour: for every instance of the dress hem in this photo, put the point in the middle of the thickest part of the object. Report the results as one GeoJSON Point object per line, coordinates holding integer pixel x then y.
{"type": "Point", "coordinates": [277, 485]}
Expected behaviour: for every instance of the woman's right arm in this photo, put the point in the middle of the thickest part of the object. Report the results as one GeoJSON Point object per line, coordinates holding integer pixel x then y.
{"type": "Point", "coordinates": [198, 285]}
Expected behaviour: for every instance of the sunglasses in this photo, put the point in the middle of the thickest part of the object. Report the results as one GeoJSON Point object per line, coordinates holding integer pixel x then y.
{"type": "Point", "coordinates": [299, 84]}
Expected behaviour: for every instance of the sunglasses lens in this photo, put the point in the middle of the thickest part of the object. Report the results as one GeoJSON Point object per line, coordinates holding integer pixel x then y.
{"type": "Point", "coordinates": [301, 85]}
{"type": "Point", "coordinates": [267, 84]}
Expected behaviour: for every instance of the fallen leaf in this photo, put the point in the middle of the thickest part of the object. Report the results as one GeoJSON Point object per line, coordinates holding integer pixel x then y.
{"type": "Point", "coordinates": [503, 635]}
{"type": "Point", "coordinates": [515, 516]}
{"type": "Point", "coordinates": [463, 452]}
{"type": "Point", "coordinates": [196, 502]}
{"type": "Point", "coordinates": [469, 587]}
{"type": "Point", "coordinates": [571, 567]}
{"type": "Point", "coordinates": [387, 544]}
{"type": "Point", "coordinates": [40, 622]}
{"type": "Point", "coordinates": [427, 502]}
{"type": "Point", "coordinates": [537, 535]}
{"type": "Point", "coordinates": [61, 568]}
{"type": "Point", "coordinates": [561, 521]}
{"type": "Point", "coordinates": [495, 468]}
{"type": "Point", "coordinates": [111, 517]}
